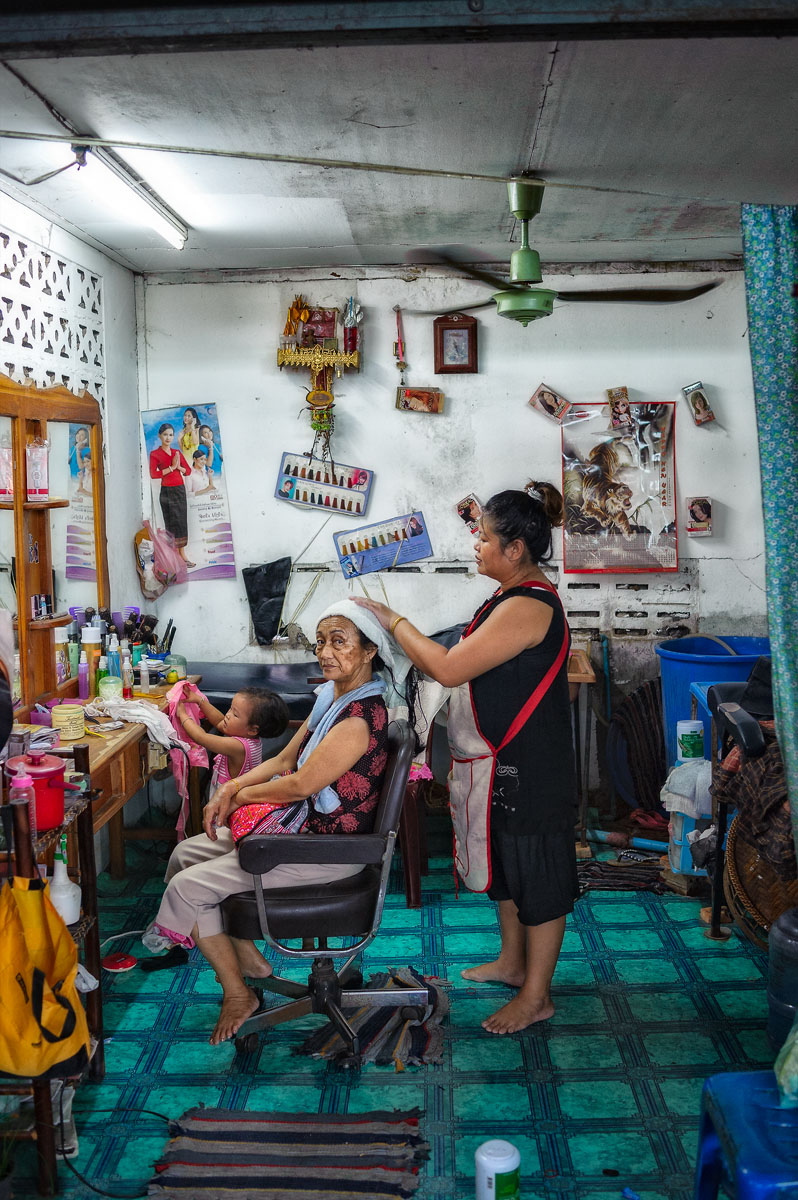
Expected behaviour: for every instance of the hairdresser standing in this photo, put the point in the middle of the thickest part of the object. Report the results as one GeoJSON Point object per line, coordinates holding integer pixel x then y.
{"type": "Point", "coordinates": [513, 787]}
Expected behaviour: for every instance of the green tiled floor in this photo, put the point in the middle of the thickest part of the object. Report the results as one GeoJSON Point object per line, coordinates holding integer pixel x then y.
{"type": "Point", "coordinates": [604, 1096]}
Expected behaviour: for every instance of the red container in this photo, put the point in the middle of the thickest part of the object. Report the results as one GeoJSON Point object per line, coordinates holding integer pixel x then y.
{"type": "Point", "coordinates": [47, 773]}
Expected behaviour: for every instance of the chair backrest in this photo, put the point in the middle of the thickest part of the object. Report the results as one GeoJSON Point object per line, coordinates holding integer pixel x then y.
{"type": "Point", "coordinates": [401, 744]}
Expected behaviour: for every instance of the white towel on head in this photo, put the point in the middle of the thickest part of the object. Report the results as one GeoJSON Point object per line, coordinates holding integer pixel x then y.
{"type": "Point", "coordinates": [388, 649]}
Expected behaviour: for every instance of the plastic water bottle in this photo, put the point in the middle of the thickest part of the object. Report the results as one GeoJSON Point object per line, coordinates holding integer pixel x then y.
{"type": "Point", "coordinates": [498, 1171]}
{"type": "Point", "coordinates": [64, 894]}
{"type": "Point", "coordinates": [782, 976]}
{"type": "Point", "coordinates": [21, 788]}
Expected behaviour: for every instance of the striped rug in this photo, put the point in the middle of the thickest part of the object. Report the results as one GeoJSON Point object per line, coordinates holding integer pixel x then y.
{"type": "Point", "coordinates": [217, 1154]}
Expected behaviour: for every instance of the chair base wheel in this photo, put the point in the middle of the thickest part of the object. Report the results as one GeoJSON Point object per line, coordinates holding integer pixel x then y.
{"type": "Point", "coordinates": [412, 1012]}
{"type": "Point", "coordinates": [350, 1062]}
{"type": "Point", "coordinates": [247, 1044]}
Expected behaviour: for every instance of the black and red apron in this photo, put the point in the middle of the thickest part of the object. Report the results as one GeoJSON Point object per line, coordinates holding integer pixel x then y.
{"type": "Point", "coordinates": [474, 764]}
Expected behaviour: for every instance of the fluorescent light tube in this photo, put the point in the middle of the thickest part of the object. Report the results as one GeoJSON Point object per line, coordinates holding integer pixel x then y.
{"type": "Point", "coordinates": [115, 185]}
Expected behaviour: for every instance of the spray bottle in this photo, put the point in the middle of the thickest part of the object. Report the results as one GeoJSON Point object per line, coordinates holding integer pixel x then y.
{"type": "Point", "coordinates": [64, 894]}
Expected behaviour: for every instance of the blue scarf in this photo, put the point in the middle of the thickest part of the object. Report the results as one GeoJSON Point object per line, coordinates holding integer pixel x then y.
{"type": "Point", "coordinates": [325, 712]}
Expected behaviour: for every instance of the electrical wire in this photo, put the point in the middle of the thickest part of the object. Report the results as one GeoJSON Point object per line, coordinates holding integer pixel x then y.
{"type": "Point", "coordinates": [82, 1178]}
{"type": "Point", "coordinates": [336, 164]}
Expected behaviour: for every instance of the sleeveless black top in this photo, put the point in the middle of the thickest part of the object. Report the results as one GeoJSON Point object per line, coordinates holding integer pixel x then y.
{"type": "Point", "coordinates": [534, 786]}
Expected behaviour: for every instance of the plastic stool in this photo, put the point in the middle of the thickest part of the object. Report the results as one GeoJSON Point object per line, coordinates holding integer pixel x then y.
{"type": "Point", "coordinates": [747, 1140]}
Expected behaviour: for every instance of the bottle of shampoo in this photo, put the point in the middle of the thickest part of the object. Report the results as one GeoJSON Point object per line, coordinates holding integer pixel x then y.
{"type": "Point", "coordinates": [64, 894]}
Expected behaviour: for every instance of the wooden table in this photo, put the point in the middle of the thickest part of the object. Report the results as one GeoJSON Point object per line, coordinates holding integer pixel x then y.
{"type": "Point", "coordinates": [118, 765]}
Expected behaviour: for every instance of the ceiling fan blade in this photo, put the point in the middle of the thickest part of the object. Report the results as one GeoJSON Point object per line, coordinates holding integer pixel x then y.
{"type": "Point", "coordinates": [442, 312]}
{"type": "Point", "coordinates": [432, 256]}
{"type": "Point", "coordinates": [638, 295]}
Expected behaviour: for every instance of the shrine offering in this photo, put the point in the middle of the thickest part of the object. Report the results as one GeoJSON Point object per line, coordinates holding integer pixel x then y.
{"type": "Point", "coordinates": [384, 545]}
{"type": "Point", "coordinates": [322, 483]}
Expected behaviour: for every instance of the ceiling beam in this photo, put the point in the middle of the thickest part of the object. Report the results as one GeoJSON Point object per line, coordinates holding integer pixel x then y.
{"type": "Point", "coordinates": [49, 28]}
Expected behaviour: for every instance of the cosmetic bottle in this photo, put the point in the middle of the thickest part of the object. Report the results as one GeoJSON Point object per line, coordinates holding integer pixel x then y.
{"type": "Point", "coordinates": [102, 670]}
{"type": "Point", "coordinates": [114, 660]}
{"type": "Point", "coordinates": [127, 677]}
{"type": "Point", "coordinates": [83, 677]}
{"type": "Point", "coordinates": [144, 676]}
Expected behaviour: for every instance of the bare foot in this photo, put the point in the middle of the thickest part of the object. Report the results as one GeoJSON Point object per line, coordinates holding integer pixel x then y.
{"type": "Point", "coordinates": [235, 1010]}
{"type": "Point", "coordinates": [494, 972]}
{"type": "Point", "coordinates": [518, 1014]}
{"type": "Point", "coordinates": [252, 963]}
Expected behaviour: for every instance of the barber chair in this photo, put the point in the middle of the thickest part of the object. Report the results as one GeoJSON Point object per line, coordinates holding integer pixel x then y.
{"type": "Point", "coordinates": [348, 908]}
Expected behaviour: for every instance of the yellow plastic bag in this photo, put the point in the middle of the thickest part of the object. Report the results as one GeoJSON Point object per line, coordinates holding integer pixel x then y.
{"type": "Point", "coordinates": [43, 1030]}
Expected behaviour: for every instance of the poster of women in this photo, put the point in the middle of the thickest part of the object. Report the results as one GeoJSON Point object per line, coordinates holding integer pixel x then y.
{"type": "Point", "coordinates": [80, 560]}
{"type": "Point", "coordinates": [189, 498]}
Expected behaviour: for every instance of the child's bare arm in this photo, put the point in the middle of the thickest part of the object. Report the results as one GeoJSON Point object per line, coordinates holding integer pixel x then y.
{"type": "Point", "coordinates": [194, 696]}
{"type": "Point", "coordinates": [216, 743]}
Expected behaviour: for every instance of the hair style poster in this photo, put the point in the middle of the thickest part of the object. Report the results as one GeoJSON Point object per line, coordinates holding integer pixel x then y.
{"type": "Point", "coordinates": [80, 549]}
{"type": "Point", "coordinates": [618, 487]}
{"type": "Point", "coordinates": [185, 460]}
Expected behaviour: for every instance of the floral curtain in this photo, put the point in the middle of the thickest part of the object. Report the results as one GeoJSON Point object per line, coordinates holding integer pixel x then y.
{"type": "Point", "coordinates": [770, 245]}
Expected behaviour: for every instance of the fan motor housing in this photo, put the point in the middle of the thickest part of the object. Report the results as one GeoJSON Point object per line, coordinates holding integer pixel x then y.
{"type": "Point", "coordinates": [525, 306]}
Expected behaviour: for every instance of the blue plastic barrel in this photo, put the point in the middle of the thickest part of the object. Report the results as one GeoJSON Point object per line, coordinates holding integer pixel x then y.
{"type": "Point", "coordinates": [698, 659]}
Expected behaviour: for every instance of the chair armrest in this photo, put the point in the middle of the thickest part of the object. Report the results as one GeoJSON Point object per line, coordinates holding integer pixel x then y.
{"type": "Point", "coordinates": [743, 728]}
{"type": "Point", "coordinates": [260, 852]}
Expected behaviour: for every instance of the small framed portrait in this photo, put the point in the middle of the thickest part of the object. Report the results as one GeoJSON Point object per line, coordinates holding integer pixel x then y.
{"type": "Point", "coordinates": [620, 409]}
{"type": "Point", "coordinates": [699, 516]}
{"type": "Point", "coordinates": [425, 400]}
{"type": "Point", "coordinates": [455, 344]}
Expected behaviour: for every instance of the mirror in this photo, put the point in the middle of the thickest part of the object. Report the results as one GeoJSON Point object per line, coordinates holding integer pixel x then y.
{"type": "Point", "coordinates": [72, 527]}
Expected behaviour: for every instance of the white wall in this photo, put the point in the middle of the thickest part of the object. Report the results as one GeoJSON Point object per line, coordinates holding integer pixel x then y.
{"type": "Point", "coordinates": [123, 482]}
{"type": "Point", "coordinates": [216, 341]}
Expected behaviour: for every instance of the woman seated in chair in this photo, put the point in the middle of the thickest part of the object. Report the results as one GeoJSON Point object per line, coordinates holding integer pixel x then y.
{"type": "Point", "coordinates": [336, 761]}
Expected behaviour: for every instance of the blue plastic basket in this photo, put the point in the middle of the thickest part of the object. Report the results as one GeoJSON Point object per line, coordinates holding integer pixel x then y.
{"type": "Point", "coordinates": [699, 659]}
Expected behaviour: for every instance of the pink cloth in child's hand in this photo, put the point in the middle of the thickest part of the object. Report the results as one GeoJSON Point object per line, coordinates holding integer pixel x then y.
{"type": "Point", "coordinates": [197, 755]}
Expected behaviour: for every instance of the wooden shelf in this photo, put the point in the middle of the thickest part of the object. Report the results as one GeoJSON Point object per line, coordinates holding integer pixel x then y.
{"type": "Point", "coordinates": [51, 622]}
{"type": "Point", "coordinates": [9, 504]}
{"type": "Point", "coordinates": [53, 502]}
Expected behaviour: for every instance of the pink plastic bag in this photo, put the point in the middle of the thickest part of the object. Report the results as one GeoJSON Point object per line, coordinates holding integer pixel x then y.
{"type": "Point", "coordinates": [169, 565]}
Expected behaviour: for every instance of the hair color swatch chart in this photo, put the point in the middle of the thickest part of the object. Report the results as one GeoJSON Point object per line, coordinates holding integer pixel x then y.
{"type": "Point", "coordinates": [384, 545]}
{"type": "Point", "coordinates": [323, 484]}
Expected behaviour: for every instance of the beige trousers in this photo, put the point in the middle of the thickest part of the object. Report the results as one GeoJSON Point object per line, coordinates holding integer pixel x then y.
{"type": "Point", "coordinates": [201, 873]}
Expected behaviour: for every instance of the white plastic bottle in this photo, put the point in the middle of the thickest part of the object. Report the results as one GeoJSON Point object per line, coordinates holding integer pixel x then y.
{"type": "Point", "coordinates": [144, 675]}
{"type": "Point", "coordinates": [127, 676]}
{"type": "Point", "coordinates": [64, 894]}
{"type": "Point", "coordinates": [498, 1171]}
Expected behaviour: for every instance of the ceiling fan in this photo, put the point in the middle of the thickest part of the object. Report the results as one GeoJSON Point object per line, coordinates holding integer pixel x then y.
{"type": "Point", "coordinates": [519, 299]}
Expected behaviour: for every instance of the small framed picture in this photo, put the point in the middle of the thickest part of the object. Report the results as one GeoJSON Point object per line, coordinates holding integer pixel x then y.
{"type": "Point", "coordinates": [455, 344]}
{"type": "Point", "coordinates": [424, 400]}
{"type": "Point", "coordinates": [620, 411]}
{"type": "Point", "coordinates": [699, 405]}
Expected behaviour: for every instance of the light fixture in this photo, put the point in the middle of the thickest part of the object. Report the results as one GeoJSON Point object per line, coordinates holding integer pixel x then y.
{"type": "Point", "coordinates": [129, 194]}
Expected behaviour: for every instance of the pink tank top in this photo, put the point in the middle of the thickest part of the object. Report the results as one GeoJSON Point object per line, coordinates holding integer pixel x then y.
{"type": "Point", "coordinates": [253, 756]}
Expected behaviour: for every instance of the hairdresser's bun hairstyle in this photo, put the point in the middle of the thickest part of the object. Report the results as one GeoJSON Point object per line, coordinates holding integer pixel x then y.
{"type": "Point", "coordinates": [528, 516]}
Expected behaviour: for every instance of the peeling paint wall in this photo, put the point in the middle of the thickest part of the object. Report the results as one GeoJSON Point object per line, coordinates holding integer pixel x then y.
{"type": "Point", "coordinates": [216, 340]}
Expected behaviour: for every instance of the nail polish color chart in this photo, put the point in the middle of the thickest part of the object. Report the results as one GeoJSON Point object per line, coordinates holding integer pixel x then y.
{"type": "Point", "coordinates": [386, 544]}
{"type": "Point", "coordinates": [318, 484]}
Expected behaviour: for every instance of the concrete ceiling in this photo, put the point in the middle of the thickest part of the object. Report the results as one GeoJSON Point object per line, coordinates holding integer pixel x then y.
{"type": "Point", "coordinates": [659, 141]}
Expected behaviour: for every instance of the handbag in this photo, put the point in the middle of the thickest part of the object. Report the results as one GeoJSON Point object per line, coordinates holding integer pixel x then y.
{"type": "Point", "coordinates": [268, 818]}
{"type": "Point", "coordinates": [43, 1029]}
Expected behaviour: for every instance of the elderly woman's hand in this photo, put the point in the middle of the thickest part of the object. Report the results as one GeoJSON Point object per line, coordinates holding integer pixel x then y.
{"type": "Point", "coordinates": [385, 615]}
{"type": "Point", "coordinates": [218, 809]}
